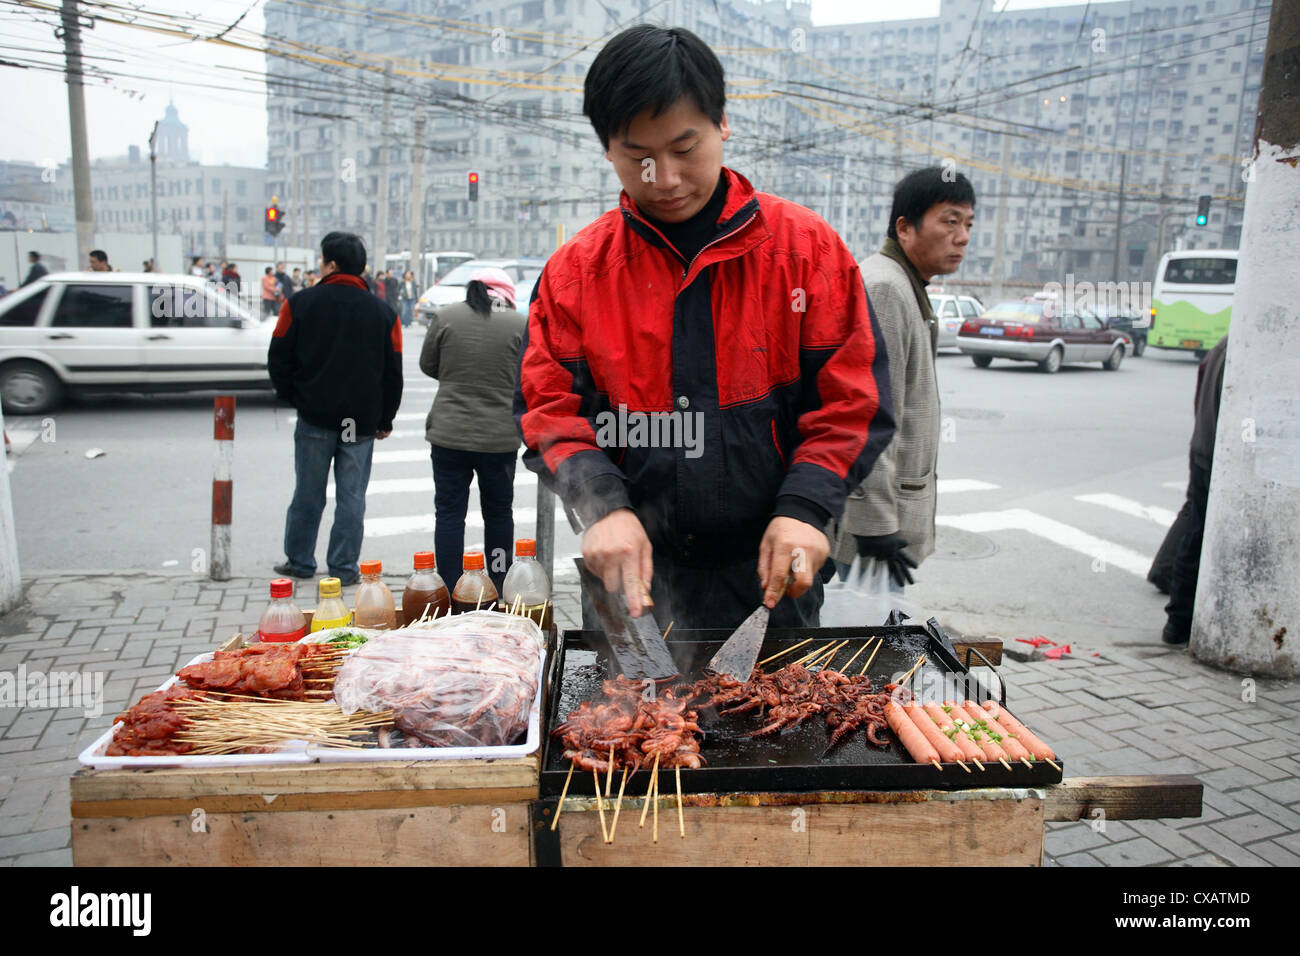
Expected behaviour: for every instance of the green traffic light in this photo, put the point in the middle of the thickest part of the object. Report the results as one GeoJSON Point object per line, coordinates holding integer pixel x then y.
{"type": "Point", "coordinates": [1201, 220]}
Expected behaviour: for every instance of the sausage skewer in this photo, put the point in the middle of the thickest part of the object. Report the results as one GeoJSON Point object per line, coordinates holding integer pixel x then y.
{"type": "Point", "coordinates": [955, 734]}
{"type": "Point", "coordinates": [910, 736]}
{"type": "Point", "coordinates": [1007, 741]}
{"type": "Point", "coordinates": [880, 642]}
{"type": "Point", "coordinates": [1031, 743]}
{"type": "Point", "coordinates": [988, 745]}
{"type": "Point", "coordinates": [947, 750]}
{"type": "Point", "coordinates": [784, 652]}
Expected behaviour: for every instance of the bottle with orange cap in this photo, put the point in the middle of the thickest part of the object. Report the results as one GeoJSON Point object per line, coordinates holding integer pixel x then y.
{"type": "Point", "coordinates": [475, 590]}
{"type": "Point", "coordinates": [375, 607]}
{"type": "Point", "coordinates": [526, 589]}
{"type": "Point", "coordinates": [426, 592]}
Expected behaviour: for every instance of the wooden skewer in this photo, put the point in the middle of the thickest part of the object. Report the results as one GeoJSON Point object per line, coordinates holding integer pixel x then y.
{"type": "Point", "coordinates": [963, 766]}
{"type": "Point", "coordinates": [681, 821]}
{"type": "Point", "coordinates": [936, 765]}
{"type": "Point", "coordinates": [669, 628]}
{"type": "Point", "coordinates": [908, 676]}
{"type": "Point", "coordinates": [563, 793]}
{"type": "Point", "coordinates": [825, 661]}
{"type": "Point", "coordinates": [846, 667]}
{"type": "Point", "coordinates": [656, 786]}
{"type": "Point", "coordinates": [618, 807]}
{"type": "Point", "coordinates": [976, 762]}
{"type": "Point", "coordinates": [880, 642]}
{"type": "Point", "coordinates": [609, 774]}
{"type": "Point", "coordinates": [1026, 763]}
{"type": "Point", "coordinates": [1053, 763]}
{"type": "Point", "coordinates": [1003, 761]}
{"type": "Point", "coordinates": [600, 805]}
{"type": "Point", "coordinates": [807, 657]}
{"type": "Point", "coordinates": [786, 651]}
{"type": "Point", "coordinates": [649, 793]}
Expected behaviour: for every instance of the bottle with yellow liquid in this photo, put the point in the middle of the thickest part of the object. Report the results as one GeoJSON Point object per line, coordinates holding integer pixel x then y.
{"type": "Point", "coordinates": [526, 589]}
{"type": "Point", "coordinates": [331, 611]}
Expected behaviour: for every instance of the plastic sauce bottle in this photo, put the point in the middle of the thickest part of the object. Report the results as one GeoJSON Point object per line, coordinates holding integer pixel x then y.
{"type": "Point", "coordinates": [526, 588]}
{"type": "Point", "coordinates": [375, 606]}
{"type": "Point", "coordinates": [475, 590]}
{"type": "Point", "coordinates": [282, 621]}
{"type": "Point", "coordinates": [331, 611]}
{"type": "Point", "coordinates": [425, 590]}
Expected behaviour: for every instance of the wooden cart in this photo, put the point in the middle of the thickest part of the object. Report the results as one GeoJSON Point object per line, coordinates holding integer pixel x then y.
{"type": "Point", "coordinates": [488, 813]}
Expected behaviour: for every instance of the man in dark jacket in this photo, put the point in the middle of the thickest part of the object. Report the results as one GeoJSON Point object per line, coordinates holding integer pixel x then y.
{"type": "Point", "coordinates": [336, 356]}
{"type": "Point", "coordinates": [702, 379]}
{"type": "Point", "coordinates": [1187, 559]}
{"type": "Point", "coordinates": [38, 268]}
{"type": "Point", "coordinates": [391, 289]}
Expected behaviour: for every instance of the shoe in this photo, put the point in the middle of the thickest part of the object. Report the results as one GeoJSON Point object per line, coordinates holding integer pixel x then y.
{"type": "Point", "coordinates": [289, 571]}
{"type": "Point", "coordinates": [347, 581]}
{"type": "Point", "coordinates": [1175, 635]}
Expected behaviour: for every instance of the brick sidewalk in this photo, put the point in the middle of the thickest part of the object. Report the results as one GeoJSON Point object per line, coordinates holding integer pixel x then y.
{"type": "Point", "coordinates": [138, 629]}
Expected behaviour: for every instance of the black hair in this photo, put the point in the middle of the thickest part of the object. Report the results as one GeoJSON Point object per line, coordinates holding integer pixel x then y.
{"type": "Point", "coordinates": [99, 254]}
{"type": "Point", "coordinates": [922, 189]}
{"type": "Point", "coordinates": [34, 255]}
{"type": "Point", "coordinates": [345, 250]}
{"type": "Point", "coordinates": [476, 294]}
{"type": "Point", "coordinates": [650, 67]}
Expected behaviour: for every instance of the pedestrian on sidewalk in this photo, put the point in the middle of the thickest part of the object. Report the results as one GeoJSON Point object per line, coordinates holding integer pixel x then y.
{"type": "Point", "coordinates": [99, 261]}
{"type": "Point", "coordinates": [472, 349]}
{"type": "Point", "coordinates": [890, 516]}
{"type": "Point", "coordinates": [37, 268]}
{"type": "Point", "coordinates": [409, 294]}
{"type": "Point", "coordinates": [270, 292]}
{"type": "Point", "coordinates": [391, 290]}
{"type": "Point", "coordinates": [336, 356]}
{"type": "Point", "coordinates": [1187, 560]}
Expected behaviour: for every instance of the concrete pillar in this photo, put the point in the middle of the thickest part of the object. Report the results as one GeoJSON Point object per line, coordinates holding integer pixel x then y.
{"type": "Point", "coordinates": [11, 589]}
{"type": "Point", "coordinates": [1247, 615]}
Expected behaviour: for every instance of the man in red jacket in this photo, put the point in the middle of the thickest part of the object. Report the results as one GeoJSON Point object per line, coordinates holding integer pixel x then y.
{"type": "Point", "coordinates": [336, 356]}
{"type": "Point", "coordinates": [702, 380]}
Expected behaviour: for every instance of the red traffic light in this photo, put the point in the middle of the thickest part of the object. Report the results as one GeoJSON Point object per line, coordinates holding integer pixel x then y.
{"type": "Point", "coordinates": [473, 177]}
{"type": "Point", "coordinates": [272, 213]}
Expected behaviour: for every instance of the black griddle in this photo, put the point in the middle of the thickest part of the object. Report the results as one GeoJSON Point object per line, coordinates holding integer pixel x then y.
{"type": "Point", "coordinates": [794, 759]}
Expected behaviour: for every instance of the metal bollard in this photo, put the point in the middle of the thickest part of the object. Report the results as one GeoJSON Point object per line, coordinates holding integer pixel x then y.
{"type": "Point", "coordinates": [223, 430]}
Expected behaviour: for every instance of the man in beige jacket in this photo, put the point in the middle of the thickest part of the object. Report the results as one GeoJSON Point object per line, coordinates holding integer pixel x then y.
{"type": "Point", "coordinates": [890, 516]}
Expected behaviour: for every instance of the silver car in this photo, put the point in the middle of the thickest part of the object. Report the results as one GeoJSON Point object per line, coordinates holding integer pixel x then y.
{"type": "Point", "coordinates": [952, 311]}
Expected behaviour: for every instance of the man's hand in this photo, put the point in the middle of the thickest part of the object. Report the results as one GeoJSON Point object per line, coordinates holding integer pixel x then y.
{"type": "Point", "coordinates": [889, 549]}
{"type": "Point", "coordinates": [382, 435]}
{"type": "Point", "coordinates": [776, 552]}
{"type": "Point", "coordinates": [617, 551]}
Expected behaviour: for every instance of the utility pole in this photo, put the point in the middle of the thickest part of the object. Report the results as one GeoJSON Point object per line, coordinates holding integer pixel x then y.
{"type": "Point", "coordinates": [306, 211]}
{"type": "Point", "coordinates": [225, 222]}
{"type": "Point", "coordinates": [417, 200]}
{"type": "Point", "coordinates": [1249, 586]}
{"type": "Point", "coordinates": [1119, 216]}
{"type": "Point", "coordinates": [295, 202]}
{"type": "Point", "coordinates": [85, 210]}
{"type": "Point", "coordinates": [844, 203]}
{"type": "Point", "coordinates": [1000, 229]}
{"type": "Point", "coordinates": [381, 230]}
{"type": "Point", "coordinates": [153, 192]}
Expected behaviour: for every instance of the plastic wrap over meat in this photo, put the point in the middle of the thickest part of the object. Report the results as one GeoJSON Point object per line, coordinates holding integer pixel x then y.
{"type": "Point", "coordinates": [466, 681]}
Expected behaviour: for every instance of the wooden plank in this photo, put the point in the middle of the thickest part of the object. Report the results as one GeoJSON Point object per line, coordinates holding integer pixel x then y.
{"type": "Point", "coordinates": [990, 647]}
{"type": "Point", "coordinates": [179, 783]}
{"type": "Point", "coordinates": [1135, 797]}
{"type": "Point", "coordinates": [919, 828]}
{"type": "Point", "coordinates": [284, 802]}
{"type": "Point", "coordinates": [457, 835]}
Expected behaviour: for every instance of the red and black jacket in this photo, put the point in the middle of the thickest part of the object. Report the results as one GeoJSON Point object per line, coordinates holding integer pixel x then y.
{"type": "Point", "coordinates": [336, 356]}
{"type": "Point", "coordinates": [767, 332]}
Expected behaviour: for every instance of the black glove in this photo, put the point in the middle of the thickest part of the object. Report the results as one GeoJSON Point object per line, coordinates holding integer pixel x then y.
{"type": "Point", "coordinates": [889, 549]}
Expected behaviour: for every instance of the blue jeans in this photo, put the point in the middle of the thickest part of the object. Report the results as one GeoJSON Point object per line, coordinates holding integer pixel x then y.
{"type": "Point", "coordinates": [407, 310]}
{"type": "Point", "coordinates": [313, 449]}
{"type": "Point", "coordinates": [453, 470]}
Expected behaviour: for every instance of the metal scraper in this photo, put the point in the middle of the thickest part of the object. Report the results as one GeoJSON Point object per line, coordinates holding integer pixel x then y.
{"type": "Point", "coordinates": [636, 643]}
{"type": "Point", "coordinates": [737, 656]}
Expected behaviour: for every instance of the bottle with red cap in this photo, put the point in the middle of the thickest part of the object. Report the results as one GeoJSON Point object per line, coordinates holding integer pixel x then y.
{"type": "Point", "coordinates": [526, 589]}
{"type": "Point", "coordinates": [475, 590]}
{"type": "Point", "coordinates": [426, 591]}
{"type": "Point", "coordinates": [282, 621]}
{"type": "Point", "coordinates": [375, 607]}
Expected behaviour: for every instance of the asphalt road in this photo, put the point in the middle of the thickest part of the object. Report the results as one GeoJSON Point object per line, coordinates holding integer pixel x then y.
{"type": "Point", "coordinates": [1055, 492]}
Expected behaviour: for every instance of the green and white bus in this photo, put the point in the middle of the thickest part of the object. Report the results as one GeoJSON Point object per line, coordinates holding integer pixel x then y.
{"type": "Point", "coordinates": [1191, 301]}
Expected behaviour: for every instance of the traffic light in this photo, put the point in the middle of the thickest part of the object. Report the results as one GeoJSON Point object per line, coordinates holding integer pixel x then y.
{"type": "Point", "coordinates": [473, 187]}
{"type": "Point", "coordinates": [1203, 210]}
{"type": "Point", "coordinates": [274, 218]}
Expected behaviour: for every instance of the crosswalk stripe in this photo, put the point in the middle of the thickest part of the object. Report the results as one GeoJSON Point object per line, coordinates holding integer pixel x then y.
{"type": "Point", "coordinates": [1018, 519]}
{"type": "Point", "coordinates": [948, 486]}
{"type": "Point", "coordinates": [1176, 485]}
{"type": "Point", "coordinates": [525, 518]}
{"type": "Point", "coordinates": [405, 454]}
{"type": "Point", "coordinates": [1160, 516]}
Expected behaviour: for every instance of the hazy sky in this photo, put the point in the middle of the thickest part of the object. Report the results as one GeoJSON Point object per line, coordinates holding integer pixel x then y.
{"type": "Point", "coordinates": [227, 118]}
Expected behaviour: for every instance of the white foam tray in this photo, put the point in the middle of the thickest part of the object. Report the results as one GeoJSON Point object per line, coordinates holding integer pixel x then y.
{"type": "Point", "coordinates": [300, 752]}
